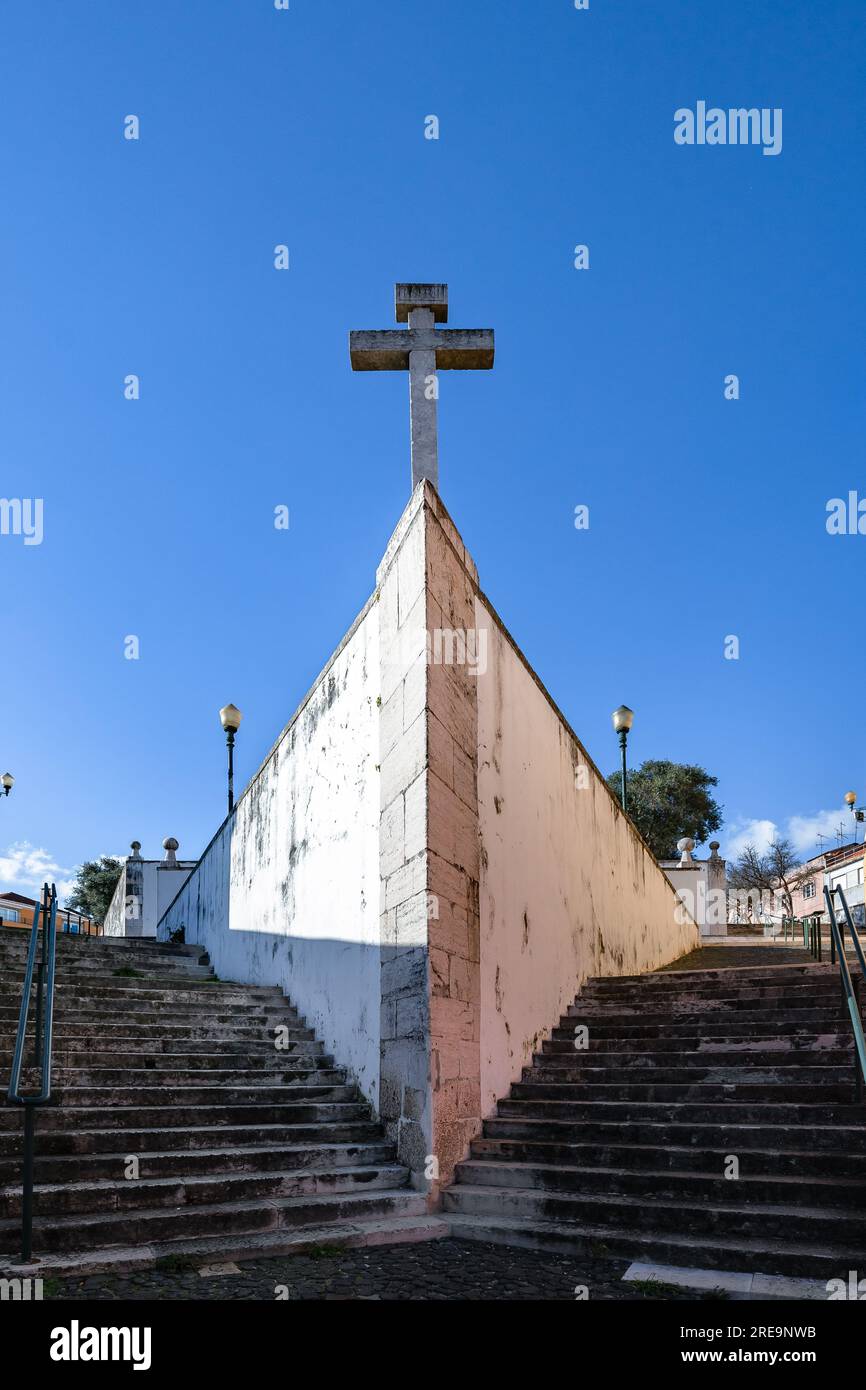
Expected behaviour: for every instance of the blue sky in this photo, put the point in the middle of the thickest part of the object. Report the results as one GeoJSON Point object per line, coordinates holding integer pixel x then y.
{"type": "Point", "coordinates": [306, 127]}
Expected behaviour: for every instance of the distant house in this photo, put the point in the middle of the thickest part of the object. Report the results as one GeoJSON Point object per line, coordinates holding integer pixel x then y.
{"type": "Point", "coordinates": [842, 867]}
{"type": "Point", "coordinates": [17, 911]}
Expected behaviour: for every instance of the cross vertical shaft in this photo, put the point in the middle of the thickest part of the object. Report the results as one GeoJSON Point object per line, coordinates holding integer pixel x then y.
{"type": "Point", "coordinates": [423, 393]}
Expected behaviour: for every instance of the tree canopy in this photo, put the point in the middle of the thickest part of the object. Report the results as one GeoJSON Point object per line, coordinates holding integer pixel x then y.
{"type": "Point", "coordinates": [668, 801]}
{"type": "Point", "coordinates": [95, 883]}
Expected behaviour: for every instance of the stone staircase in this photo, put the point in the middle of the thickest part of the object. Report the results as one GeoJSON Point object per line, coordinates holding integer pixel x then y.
{"type": "Point", "coordinates": [621, 1149]}
{"type": "Point", "coordinates": [243, 1150]}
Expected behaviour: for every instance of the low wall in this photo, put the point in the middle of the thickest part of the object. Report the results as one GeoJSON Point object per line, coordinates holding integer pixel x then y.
{"type": "Point", "coordinates": [287, 893]}
{"type": "Point", "coordinates": [568, 887]}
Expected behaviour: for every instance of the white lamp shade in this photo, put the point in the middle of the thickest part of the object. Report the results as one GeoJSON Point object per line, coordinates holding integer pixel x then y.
{"type": "Point", "coordinates": [623, 718]}
{"type": "Point", "coordinates": [230, 718]}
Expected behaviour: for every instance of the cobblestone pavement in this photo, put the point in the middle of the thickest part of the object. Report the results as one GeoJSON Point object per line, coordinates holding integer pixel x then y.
{"type": "Point", "coordinates": [435, 1269]}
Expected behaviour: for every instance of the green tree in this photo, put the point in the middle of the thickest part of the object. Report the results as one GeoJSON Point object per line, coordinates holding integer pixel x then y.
{"type": "Point", "coordinates": [668, 801]}
{"type": "Point", "coordinates": [95, 883]}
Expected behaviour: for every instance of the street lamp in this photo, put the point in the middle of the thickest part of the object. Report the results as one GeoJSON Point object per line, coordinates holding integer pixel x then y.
{"type": "Point", "coordinates": [851, 803]}
{"type": "Point", "coordinates": [230, 718]}
{"type": "Point", "coordinates": [623, 718]}
{"type": "Point", "coordinates": [7, 782]}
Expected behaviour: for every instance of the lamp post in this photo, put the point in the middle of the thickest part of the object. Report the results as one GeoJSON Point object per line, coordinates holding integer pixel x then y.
{"type": "Point", "coordinates": [230, 718]}
{"type": "Point", "coordinates": [858, 813]}
{"type": "Point", "coordinates": [7, 781]}
{"type": "Point", "coordinates": [623, 718]}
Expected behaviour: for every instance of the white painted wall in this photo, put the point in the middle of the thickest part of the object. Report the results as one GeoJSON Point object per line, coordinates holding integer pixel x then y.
{"type": "Point", "coordinates": [568, 888]}
{"type": "Point", "coordinates": [288, 891]}
{"type": "Point", "coordinates": [160, 884]}
{"type": "Point", "coordinates": [701, 888]}
{"type": "Point", "coordinates": [115, 917]}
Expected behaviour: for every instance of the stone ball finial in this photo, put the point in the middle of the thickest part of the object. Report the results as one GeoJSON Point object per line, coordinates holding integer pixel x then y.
{"type": "Point", "coordinates": [714, 849]}
{"type": "Point", "coordinates": [685, 847]}
{"type": "Point", "coordinates": [135, 847]}
{"type": "Point", "coordinates": [169, 842]}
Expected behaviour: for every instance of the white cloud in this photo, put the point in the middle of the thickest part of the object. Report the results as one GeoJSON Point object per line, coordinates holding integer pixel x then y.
{"type": "Point", "coordinates": [24, 868]}
{"type": "Point", "coordinates": [802, 831]}
{"type": "Point", "coordinates": [759, 833]}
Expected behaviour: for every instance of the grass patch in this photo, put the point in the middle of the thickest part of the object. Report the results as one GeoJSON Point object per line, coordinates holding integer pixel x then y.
{"type": "Point", "coordinates": [655, 1288]}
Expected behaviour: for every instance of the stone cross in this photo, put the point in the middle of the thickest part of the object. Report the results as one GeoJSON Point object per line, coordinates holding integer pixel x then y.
{"type": "Point", "coordinates": [423, 351]}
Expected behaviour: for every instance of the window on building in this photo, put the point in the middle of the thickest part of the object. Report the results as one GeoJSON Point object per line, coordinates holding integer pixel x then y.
{"type": "Point", "coordinates": [809, 889]}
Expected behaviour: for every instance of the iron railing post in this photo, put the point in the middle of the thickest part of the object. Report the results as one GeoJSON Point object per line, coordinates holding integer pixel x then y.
{"type": "Point", "coordinates": [27, 1184]}
{"type": "Point", "coordinates": [45, 917]}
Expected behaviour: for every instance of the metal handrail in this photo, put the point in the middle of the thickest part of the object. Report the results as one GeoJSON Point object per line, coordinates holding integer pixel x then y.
{"type": "Point", "coordinates": [855, 938]}
{"type": "Point", "coordinates": [46, 914]}
{"type": "Point", "coordinates": [849, 992]}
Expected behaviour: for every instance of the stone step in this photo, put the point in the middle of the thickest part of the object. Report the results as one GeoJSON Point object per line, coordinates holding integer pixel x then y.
{"type": "Point", "coordinates": [11, 936]}
{"type": "Point", "coordinates": [71, 954]}
{"type": "Point", "coordinates": [589, 1070]}
{"type": "Point", "coordinates": [75, 1082]}
{"type": "Point", "coordinates": [821, 1227]}
{"type": "Point", "coordinates": [127, 991]}
{"type": "Point", "coordinates": [679, 979]}
{"type": "Point", "coordinates": [712, 998]}
{"type": "Point", "coordinates": [741, 1089]}
{"type": "Point", "coordinates": [217, 1249]}
{"type": "Point", "coordinates": [686, 1186]}
{"type": "Point", "coordinates": [733, 981]}
{"type": "Point", "coordinates": [706, 1029]}
{"type": "Point", "coordinates": [788, 1046]}
{"type": "Point", "coordinates": [165, 1116]}
{"type": "Point", "coordinates": [736, 1135]}
{"type": "Point", "coordinates": [665, 1156]}
{"type": "Point", "coordinates": [104, 1196]}
{"type": "Point", "coordinates": [96, 966]}
{"type": "Point", "coordinates": [187, 1138]}
{"type": "Point", "coordinates": [90, 1009]}
{"type": "Point", "coordinates": [203, 1034]}
{"type": "Point", "coordinates": [71, 1100]}
{"type": "Point", "coordinates": [804, 1020]}
{"type": "Point", "coordinates": [189, 1162]}
{"type": "Point", "coordinates": [588, 1240]}
{"type": "Point", "coordinates": [99, 1051]}
{"type": "Point", "coordinates": [685, 1112]}
{"type": "Point", "coordinates": [65, 1234]}
{"type": "Point", "coordinates": [77, 1063]}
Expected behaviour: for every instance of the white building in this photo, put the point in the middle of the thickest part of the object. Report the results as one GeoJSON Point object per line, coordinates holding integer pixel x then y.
{"type": "Point", "coordinates": [145, 889]}
{"type": "Point", "coordinates": [701, 886]}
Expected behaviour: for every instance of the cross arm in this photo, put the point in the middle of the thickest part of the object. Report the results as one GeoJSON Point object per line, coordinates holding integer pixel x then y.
{"type": "Point", "coordinates": [464, 349]}
{"type": "Point", "coordinates": [387, 349]}
{"type": "Point", "coordinates": [379, 350]}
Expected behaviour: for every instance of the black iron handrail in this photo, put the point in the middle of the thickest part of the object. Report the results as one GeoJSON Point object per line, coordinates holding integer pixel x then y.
{"type": "Point", "coordinates": [46, 917]}
{"type": "Point", "coordinates": [849, 991]}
